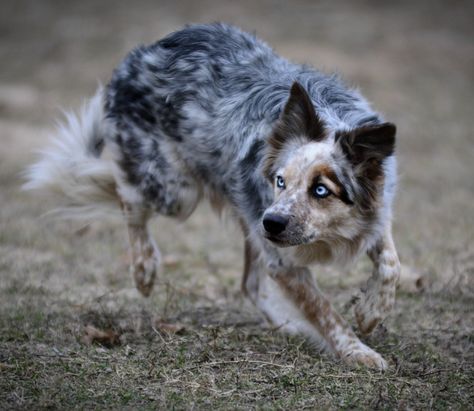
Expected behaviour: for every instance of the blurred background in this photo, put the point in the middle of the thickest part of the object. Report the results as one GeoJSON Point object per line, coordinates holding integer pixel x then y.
{"type": "Point", "coordinates": [414, 60]}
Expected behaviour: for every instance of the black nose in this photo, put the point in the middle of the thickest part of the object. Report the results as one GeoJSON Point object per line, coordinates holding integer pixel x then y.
{"type": "Point", "coordinates": [274, 223]}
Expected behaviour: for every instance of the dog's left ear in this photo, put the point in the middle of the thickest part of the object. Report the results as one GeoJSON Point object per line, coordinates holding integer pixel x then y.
{"type": "Point", "coordinates": [368, 144]}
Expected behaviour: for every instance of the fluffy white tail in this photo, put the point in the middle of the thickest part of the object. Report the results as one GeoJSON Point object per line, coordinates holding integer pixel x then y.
{"type": "Point", "coordinates": [72, 165]}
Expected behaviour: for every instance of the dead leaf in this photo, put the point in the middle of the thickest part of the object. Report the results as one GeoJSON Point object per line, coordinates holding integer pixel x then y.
{"type": "Point", "coordinates": [83, 230]}
{"type": "Point", "coordinates": [171, 261]}
{"type": "Point", "coordinates": [169, 328]}
{"type": "Point", "coordinates": [107, 338]}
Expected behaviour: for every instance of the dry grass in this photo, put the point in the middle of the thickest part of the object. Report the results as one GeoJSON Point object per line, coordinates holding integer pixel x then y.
{"type": "Point", "coordinates": [413, 60]}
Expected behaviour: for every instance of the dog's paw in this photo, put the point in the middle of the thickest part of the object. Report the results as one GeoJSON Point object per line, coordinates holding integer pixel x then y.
{"type": "Point", "coordinates": [367, 316]}
{"type": "Point", "coordinates": [144, 271]}
{"type": "Point", "coordinates": [371, 310]}
{"type": "Point", "coordinates": [363, 355]}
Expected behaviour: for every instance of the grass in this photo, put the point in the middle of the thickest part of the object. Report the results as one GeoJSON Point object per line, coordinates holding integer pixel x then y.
{"type": "Point", "coordinates": [223, 358]}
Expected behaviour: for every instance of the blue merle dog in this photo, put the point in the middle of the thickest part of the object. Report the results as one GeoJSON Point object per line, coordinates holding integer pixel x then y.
{"type": "Point", "coordinates": [304, 164]}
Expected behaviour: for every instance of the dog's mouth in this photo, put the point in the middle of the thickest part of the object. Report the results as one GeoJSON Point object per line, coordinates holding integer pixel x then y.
{"type": "Point", "coordinates": [278, 241]}
{"type": "Point", "coordinates": [273, 239]}
{"type": "Point", "coordinates": [289, 242]}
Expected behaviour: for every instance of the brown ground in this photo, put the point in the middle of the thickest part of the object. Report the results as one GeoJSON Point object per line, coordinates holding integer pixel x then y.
{"type": "Point", "coordinates": [414, 60]}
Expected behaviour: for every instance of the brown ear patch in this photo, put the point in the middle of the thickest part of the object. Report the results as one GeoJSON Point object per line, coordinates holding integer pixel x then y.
{"type": "Point", "coordinates": [297, 120]}
{"type": "Point", "coordinates": [366, 147]}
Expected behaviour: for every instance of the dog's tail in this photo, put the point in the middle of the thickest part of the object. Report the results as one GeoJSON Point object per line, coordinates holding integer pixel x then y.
{"type": "Point", "coordinates": [73, 165]}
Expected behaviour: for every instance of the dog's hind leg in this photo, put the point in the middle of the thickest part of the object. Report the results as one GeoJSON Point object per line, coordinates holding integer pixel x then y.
{"type": "Point", "coordinates": [378, 297]}
{"type": "Point", "coordinates": [144, 253]}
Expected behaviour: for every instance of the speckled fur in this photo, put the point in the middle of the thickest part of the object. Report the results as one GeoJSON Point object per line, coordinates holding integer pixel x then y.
{"type": "Point", "coordinates": [211, 111]}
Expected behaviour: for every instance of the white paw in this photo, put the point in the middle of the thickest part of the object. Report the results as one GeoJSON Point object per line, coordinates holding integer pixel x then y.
{"type": "Point", "coordinates": [363, 355]}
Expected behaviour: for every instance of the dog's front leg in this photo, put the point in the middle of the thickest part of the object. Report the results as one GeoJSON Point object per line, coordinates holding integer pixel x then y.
{"type": "Point", "coordinates": [252, 270]}
{"type": "Point", "coordinates": [291, 301]}
{"type": "Point", "coordinates": [145, 254]}
{"type": "Point", "coordinates": [378, 297]}
{"type": "Point", "coordinates": [314, 316]}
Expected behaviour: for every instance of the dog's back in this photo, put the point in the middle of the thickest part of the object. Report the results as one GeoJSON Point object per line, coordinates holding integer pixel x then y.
{"type": "Point", "coordinates": [196, 108]}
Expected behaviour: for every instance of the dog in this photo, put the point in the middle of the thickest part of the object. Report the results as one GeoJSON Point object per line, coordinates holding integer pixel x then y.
{"type": "Point", "coordinates": [302, 162]}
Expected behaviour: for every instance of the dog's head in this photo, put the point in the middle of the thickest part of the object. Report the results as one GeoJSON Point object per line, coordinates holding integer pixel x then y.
{"type": "Point", "coordinates": [328, 184]}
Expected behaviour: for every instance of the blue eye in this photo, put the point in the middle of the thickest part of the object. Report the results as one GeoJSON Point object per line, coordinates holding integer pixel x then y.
{"type": "Point", "coordinates": [280, 182]}
{"type": "Point", "coordinates": [320, 191]}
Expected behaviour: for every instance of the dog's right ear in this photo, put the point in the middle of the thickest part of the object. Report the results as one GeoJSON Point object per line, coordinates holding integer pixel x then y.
{"type": "Point", "coordinates": [298, 118]}
{"type": "Point", "coordinates": [298, 122]}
